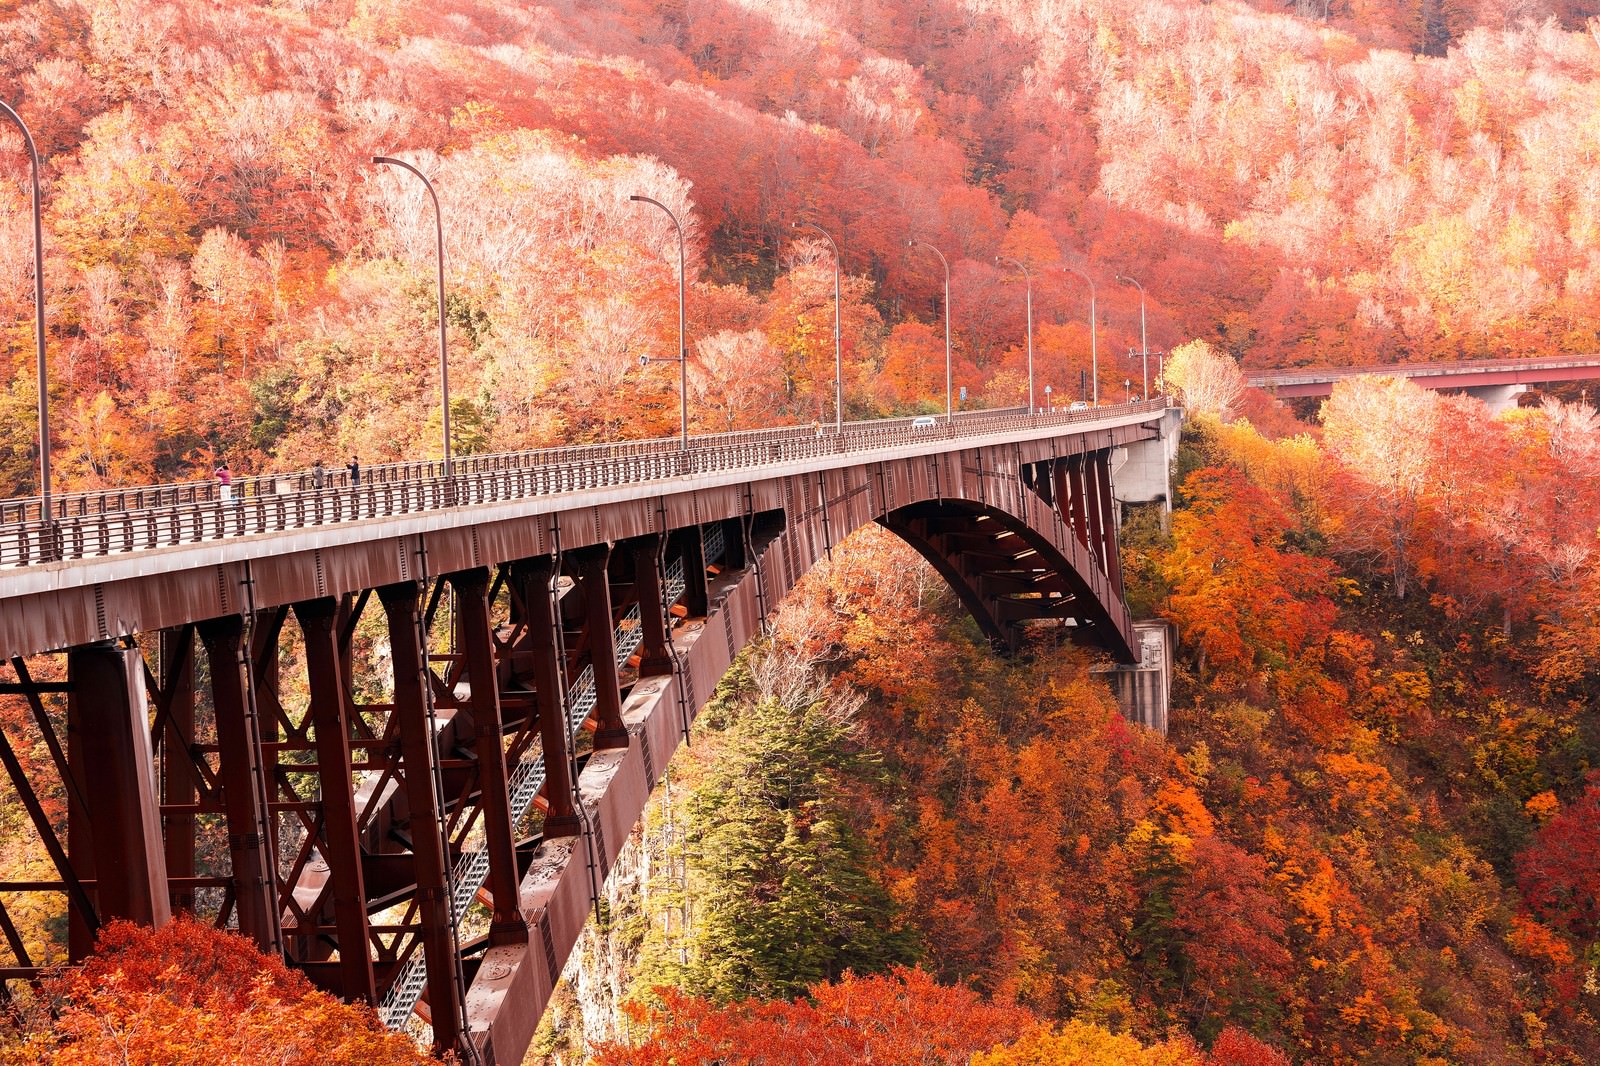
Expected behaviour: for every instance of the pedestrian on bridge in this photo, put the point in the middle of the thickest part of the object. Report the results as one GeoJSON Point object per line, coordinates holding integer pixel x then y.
{"type": "Point", "coordinates": [319, 476]}
{"type": "Point", "coordinates": [224, 481]}
{"type": "Point", "coordinates": [354, 466]}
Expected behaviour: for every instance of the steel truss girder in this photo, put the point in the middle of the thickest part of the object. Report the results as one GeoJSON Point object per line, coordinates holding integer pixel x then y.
{"type": "Point", "coordinates": [425, 805]}
{"type": "Point", "coordinates": [341, 841]}
{"type": "Point", "coordinates": [246, 787]}
{"type": "Point", "coordinates": [1020, 532]}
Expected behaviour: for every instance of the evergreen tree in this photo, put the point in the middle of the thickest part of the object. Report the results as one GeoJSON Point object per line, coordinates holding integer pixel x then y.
{"type": "Point", "coordinates": [783, 893]}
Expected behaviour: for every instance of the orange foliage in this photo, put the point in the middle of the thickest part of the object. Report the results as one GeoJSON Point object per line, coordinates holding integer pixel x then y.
{"type": "Point", "coordinates": [191, 994]}
{"type": "Point", "coordinates": [1245, 602]}
{"type": "Point", "coordinates": [900, 1019]}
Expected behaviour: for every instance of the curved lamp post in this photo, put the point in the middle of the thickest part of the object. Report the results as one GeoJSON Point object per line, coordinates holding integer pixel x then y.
{"type": "Point", "coordinates": [1144, 345]}
{"type": "Point", "coordinates": [914, 242]}
{"type": "Point", "coordinates": [1094, 336]}
{"type": "Point", "coordinates": [438, 233]}
{"type": "Point", "coordinates": [838, 344]}
{"type": "Point", "coordinates": [1029, 278]}
{"type": "Point", "coordinates": [45, 511]}
{"type": "Point", "coordinates": [683, 349]}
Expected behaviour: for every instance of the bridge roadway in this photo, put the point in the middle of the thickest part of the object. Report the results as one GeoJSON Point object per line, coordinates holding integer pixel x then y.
{"type": "Point", "coordinates": [86, 503]}
{"type": "Point", "coordinates": [423, 818]}
{"type": "Point", "coordinates": [1468, 374]}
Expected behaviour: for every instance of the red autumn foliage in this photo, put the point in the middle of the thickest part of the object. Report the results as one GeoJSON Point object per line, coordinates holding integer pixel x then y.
{"type": "Point", "coordinates": [903, 1018]}
{"type": "Point", "coordinates": [1559, 873]}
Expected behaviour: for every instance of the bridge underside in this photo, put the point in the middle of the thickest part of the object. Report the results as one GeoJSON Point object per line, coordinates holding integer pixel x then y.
{"type": "Point", "coordinates": [423, 814]}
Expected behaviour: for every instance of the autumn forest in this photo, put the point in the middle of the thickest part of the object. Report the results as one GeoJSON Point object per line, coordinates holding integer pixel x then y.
{"type": "Point", "coordinates": [1372, 832]}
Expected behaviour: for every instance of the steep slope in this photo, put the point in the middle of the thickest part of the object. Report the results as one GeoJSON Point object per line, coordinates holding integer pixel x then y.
{"type": "Point", "coordinates": [228, 273]}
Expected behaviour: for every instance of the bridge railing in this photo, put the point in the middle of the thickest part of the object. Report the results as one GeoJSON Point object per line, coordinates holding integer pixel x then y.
{"type": "Point", "coordinates": [88, 502]}
{"type": "Point", "coordinates": [175, 516]}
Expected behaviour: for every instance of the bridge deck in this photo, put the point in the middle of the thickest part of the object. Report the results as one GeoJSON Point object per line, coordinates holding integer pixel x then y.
{"type": "Point", "coordinates": [87, 502]}
{"type": "Point", "coordinates": [113, 544]}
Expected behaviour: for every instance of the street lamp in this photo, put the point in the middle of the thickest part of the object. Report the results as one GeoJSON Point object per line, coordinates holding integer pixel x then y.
{"type": "Point", "coordinates": [38, 325]}
{"type": "Point", "coordinates": [683, 349]}
{"type": "Point", "coordinates": [1029, 279]}
{"type": "Point", "coordinates": [1144, 344]}
{"type": "Point", "coordinates": [949, 407]}
{"type": "Point", "coordinates": [1094, 335]}
{"type": "Point", "coordinates": [438, 234]}
{"type": "Point", "coordinates": [838, 344]}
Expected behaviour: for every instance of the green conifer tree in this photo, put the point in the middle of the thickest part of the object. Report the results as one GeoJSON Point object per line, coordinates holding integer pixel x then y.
{"type": "Point", "coordinates": [784, 894]}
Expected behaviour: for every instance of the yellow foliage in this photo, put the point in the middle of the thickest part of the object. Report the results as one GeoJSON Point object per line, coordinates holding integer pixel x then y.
{"type": "Point", "coordinates": [119, 203]}
{"type": "Point", "coordinates": [1314, 897]}
{"type": "Point", "coordinates": [1209, 380]}
{"type": "Point", "coordinates": [1295, 470]}
{"type": "Point", "coordinates": [1080, 1044]}
{"type": "Point", "coordinates": [1179, 818]}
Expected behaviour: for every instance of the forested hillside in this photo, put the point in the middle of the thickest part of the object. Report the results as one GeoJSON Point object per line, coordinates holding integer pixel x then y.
{"type": "Point", "coordinates": [230, 275]}
{"type": "Point", "coordinates": [1369, 837]}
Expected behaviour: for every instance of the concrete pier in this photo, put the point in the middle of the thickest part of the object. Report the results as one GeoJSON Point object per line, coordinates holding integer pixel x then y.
{"type": "Point", "coordinates": [1142, 472]}
{"type": "Point", "coordinates": [1143, 690]}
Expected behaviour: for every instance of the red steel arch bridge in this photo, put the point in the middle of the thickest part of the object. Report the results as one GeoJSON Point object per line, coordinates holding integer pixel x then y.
{"type": "Point", "coordinates": [550, 623]}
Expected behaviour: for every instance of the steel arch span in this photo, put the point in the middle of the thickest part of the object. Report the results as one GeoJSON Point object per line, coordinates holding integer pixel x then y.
{"type": "Point", "coordinates": [433, 844]}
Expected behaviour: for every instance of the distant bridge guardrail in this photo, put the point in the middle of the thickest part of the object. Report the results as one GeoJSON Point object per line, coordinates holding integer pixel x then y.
{"type": "Point", "coordinates": [1459, 373]}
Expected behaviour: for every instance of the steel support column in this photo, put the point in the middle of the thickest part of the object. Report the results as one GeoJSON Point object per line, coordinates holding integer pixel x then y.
{"type": "Point", "coordinates": [245, 788]}
{"type": "Point", "coordinates": [1087, 487]}
{"type": "Point", "coordinates": [1061, 490]}
{"type": "Point", "coordinates": [417, 750]}
{"type": "Point", "coordinates": [538, 593]}
{"type": "Point", "coordinates": [1073, 502]}
{"type": "Point", "coordinates": [595, 580]}
{"type": "Point", "coordinates": [696, 591]}
{"type": "Point", "coordinates": [177, 766]}
{"type": "Point", "coordinates": [341, 844]}
{"type": "Point", "coordinates": [477, 641]}
{"type": "Point", "coordinates": [735, 552]}
{"type": "Point", "coordinates": [654, 658]}
{"type": "Point", "coordinates": [108, 718]}
{"type": "Point", "coordinates": [1111, 560]}
{"type": "Point", "coordinates": [1092, 503]}
{"type": "Point", "coordinates": [83, 922]}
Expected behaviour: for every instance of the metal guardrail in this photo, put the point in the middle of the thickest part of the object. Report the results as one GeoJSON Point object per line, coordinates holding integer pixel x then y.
{"type": "Point", "coordinates": [89, 502]}
{"type": "Point", "coordinates": [178, 520]}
